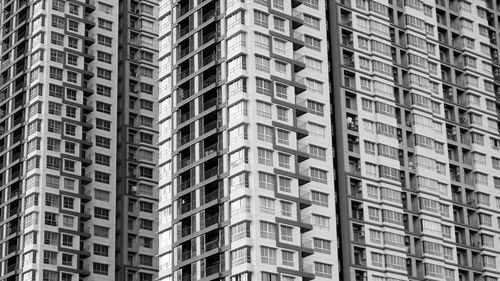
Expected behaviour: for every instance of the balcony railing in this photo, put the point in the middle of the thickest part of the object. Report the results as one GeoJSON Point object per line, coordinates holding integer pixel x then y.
{"type": "Point", "coordinates": [211, 220]}
{"type": "Point", "coordinates": [211, 172]}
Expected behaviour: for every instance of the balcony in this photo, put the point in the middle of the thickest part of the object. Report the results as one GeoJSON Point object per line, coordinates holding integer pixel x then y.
{"type": "Point", "coordinates": [210, 220]}
{"type": "Point", "coordinates": [207, 15]}
{"type": "Point", "coordinates": [185, 231]}
{"type": "Point", "coordinates": [213, 195]}
{"type": "Point", "coordinates": [212, 172]}
{"type": "Point", "coordinates": [209, 126]}
{"type": "Point", "coordinates": [183, 185]}
{"type": "Point", "coordinates": [185, 255]}
{"type": "Point", "coordinates": [212, 269]}
{"type": "Point", "coordinates": [208, 36]}
{"type": "Point", "coordinates": [214, 244]}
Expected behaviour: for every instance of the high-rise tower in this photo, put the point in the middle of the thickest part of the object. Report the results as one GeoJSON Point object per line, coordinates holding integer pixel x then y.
{"type": "Point", "coordinates": [62, 99]}
{"type": "Point", "coordinates": [246, 178]}
{"type": "Point", "coordinates": [416, 90]}
{"type": "Point", "coordinates": [137, 137]}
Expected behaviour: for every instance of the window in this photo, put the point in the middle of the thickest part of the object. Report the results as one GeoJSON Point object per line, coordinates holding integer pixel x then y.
{"type": "Point", "coordinates": [286, 209]}
{"type": "Point", "coordinates": [267, 230]}
{"type": "Point", "coordinates": [314, 86]}
{"type": "Point", "coordinates": [285, 184]}
{"type": "Point", "coordinates": [101, 195]}
{"type": "Point", "coordinates": [316, 129]}
{"type": "Point", "coordinates": [53, 163]}
{"type": "Point", "coordinates": [51, 200]}
{"type": "Point", "coordinates": [67, 260]}
{"type": "Point", "coordinates": [279, 24]}
{"type": "Point", "coordinates": [49, 275]}
{"type": "Point", "coordinates": [103, 142]}
{"type": "Point", "coordinates": [72, 76]}
{"type": "Point", "coordinates": [322, 246]}
{"type": "Point", "coordinates": [102, 159]}
{"type": "Point", "coordinates": [281, 91]}
{"type": "Point", "coordinates": [268, 255]}
{"type": "Point", "coordinates": [279, 46]}
{"type": "Point", "coordinates": [58, 22]}
{"type": "Point", "coordinates": [265, 156]}
{"type": "Point", "coordinates": [264, 133]}
{"type": "Point", "coordinates": [103, 90]}
{"type": "Point", "coordinates": [101, 250]}
{"type": "Point", "coordinates": [51, 238]}
{"type": "Point", "coordinates": [73, 42]}
{"type": "Point", "coordinates": [101, 213]}
{"type": "Point", "coordinates": [51, 219]}
{"type": "Point", "coordinates": [287, 258]}
{"type": "Point", "coordinates": [103, 73]}
{"type": "Point", "coordinates": [263, 110]}
{"type": "Point", "coordinates": [67, 240]}
{"type": "Point", "coordinates": [266, 205]}
{"type": "Point", "coordinates": [321, 222]}
{"type": "Point", "coordinates": [103, 124]}
{"type": "Point", "coordinates": [74, 9]}
{"type": "Point", "coordinates": [70, 130]}
{"type": "Point", "coordinates": [105, 24]}
{"type": "Point", "coordinates": [100, 268]}
{"type": "Point", "coordinates": [283, 137]}
{"type": "Point", "coordinates": [284, 160]}
{"type": "Point", "coordinates": [104, 57]}
{"type": "Point", "coordinates": [262, 41]}
{"type": "Point", "coordinates": [70, 111]}
{"type": "Point", "coordinates": [266, 181]}
{"type": "Point", "coordinates": [315, 107]}
{"type": "Point", "coordinates": [53, 144]}
{"type": "Point", "coordinates": [263, 86]}
{"type": "Point", "coordinates": [312, 3]}
{"type": "Point", "coordinates": [262, 63]}
{"type": "Point", "coordinates": [101, 231]}
{"type": "Point", "coordinates": [73, 25]}
{"type": "Point", "coordinates": [240, 256]}
{"type": "Point", "coordinates": [318, 175]}
{"type": "Point", "coordinates": [313, 64]}
{"type": "Point", "coordinates": [261, 19]}
{"type": "Point", "coordinates": [323, 270]}
{"type": "Point", "coordinates": [49, 257]}
{"type": "Point", "coordinates": [240, 231]}
{"type": "Point", "coordinates": [108, 9]}
{"type": "Point", "coordinates": [56, 73]}
{"type": "Point", "coordinates": [103, 107]}
{"type": "Point", "coordinates": [279, 4]}
{"type": "Point", "coordinates": [68, 202]}
{"type": "Point", "coordinates": [58, 5]}
{"type": "Point", "coordinates": [373, 214]}
{"type": "Point", "coordinates": [319, 198]}
{"type": "Point", "coordinates": [72, 59]}
{"type": "Point", "coordinates": [56, 56]}
{"type": "Point", "coordinates": [312, 43]}
{"type": "Point", "coordinates": [104, 40]}
{"type": "Point", "coordinates": [280, 67]}
{"type": "Point", "coordinates": [282, 113]}
{"type": "Point", "coordinates": [317, 152]}
{"type": "Point", "coordinates": [311, 21]}
{"type": "Point", "coordinates": [146, 224]}
{"type": "Point", "coordinates": [68, 221]}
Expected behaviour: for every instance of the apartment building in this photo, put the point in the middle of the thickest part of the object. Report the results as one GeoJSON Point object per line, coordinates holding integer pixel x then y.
{"type": "Point", "coordinates": [245, 150]}
{"type": "Point", "coordinates": [62, 99]}
{"type": "Point", "coordinates": [416, 92]}
{"type": "Point", "coordinates": [137, 136]}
